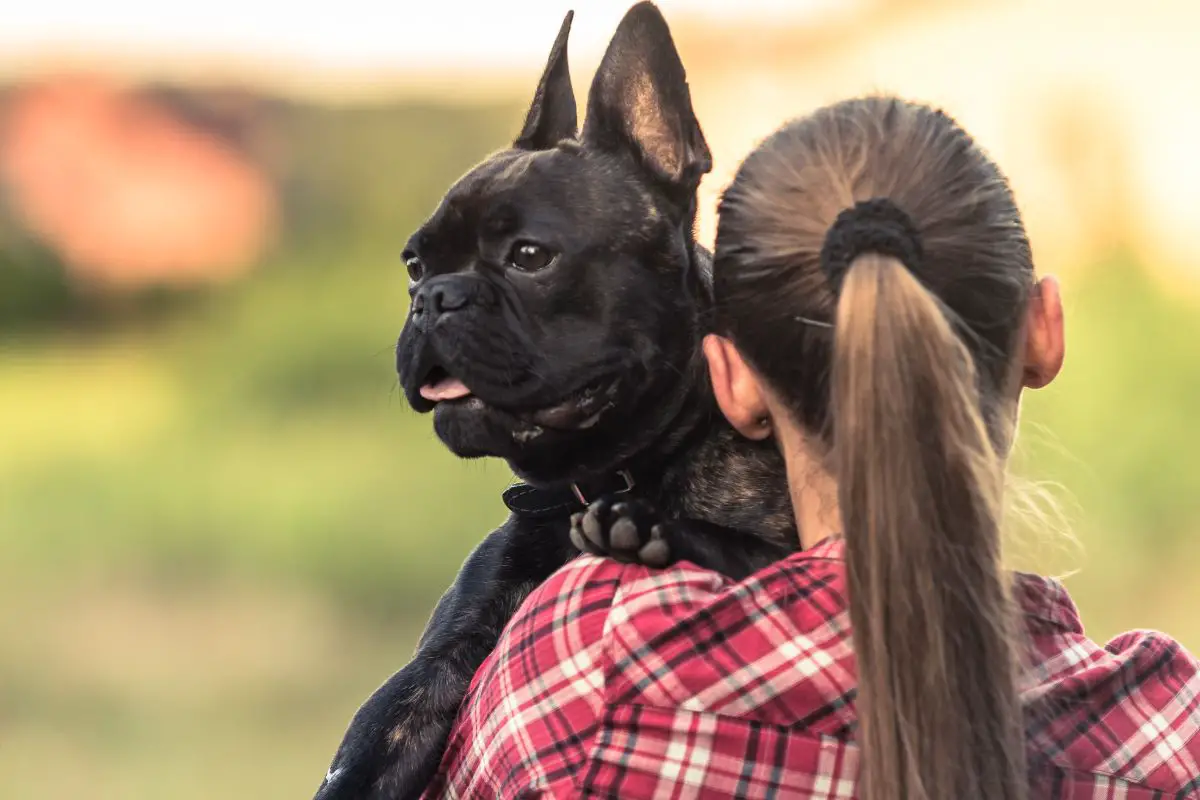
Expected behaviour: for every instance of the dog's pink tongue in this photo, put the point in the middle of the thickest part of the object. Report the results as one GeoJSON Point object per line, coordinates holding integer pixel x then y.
{"type": "Point", "coordinates": [445, 389]}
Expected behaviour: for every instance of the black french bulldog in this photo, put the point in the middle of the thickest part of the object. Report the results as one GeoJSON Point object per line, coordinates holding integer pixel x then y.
{"type": "Point", "coordinates": [558, 302]}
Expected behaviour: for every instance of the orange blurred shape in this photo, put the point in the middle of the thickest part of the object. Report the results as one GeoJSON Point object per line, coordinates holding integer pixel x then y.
{"type": "Point", "coordinates": [128, 194]}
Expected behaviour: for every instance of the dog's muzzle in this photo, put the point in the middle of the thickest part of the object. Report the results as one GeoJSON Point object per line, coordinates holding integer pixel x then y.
{"type": "Point", "coordinates": [449, 294]}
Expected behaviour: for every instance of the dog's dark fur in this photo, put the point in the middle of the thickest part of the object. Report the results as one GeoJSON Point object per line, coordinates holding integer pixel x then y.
{"type": "Point", "coordinates": [578, 368]}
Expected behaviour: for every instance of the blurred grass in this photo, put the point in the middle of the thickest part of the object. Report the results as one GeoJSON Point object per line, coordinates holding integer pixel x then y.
{"type": "Point", "coordinates": [222, 527]}
{"type": "Point", "coordinates": [233, 461]}
{"type": "Point", "coordinates": [245, 440]}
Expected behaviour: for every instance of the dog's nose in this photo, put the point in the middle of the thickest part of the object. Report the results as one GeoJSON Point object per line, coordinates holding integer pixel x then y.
{"type": "Point", "coordinates": [447, 297]}
{"type": "Point", "coordinates": [438, 297]}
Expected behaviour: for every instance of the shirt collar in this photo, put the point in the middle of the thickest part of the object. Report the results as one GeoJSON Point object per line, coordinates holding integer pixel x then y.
{"type": "Point", "coordinates": [1043, 599]}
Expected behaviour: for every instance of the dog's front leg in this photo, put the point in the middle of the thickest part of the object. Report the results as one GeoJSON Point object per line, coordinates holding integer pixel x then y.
{"type": "Point", "coordinates": [395, 741]}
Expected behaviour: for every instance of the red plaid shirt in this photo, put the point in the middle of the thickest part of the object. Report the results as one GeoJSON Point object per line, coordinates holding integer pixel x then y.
{"type": "Point", "coordinates": [619, 681]}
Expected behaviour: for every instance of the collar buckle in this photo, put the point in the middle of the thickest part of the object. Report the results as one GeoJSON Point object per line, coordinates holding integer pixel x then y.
{"type": "Point", "coordinates": [624, 474]}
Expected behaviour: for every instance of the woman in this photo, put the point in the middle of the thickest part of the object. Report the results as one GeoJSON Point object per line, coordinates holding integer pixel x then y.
{"type": "Point", "coordinates": [878, 314]}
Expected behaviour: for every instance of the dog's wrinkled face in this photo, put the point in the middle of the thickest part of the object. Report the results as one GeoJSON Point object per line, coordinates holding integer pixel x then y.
{"type": "Point", "coordinates": [537, 297]}
{"type": "Point", "coordinates": [553, 294]}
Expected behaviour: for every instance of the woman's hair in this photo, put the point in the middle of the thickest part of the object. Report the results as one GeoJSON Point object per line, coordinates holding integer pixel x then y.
{"type": "Point", "coordinates": [872, 266]}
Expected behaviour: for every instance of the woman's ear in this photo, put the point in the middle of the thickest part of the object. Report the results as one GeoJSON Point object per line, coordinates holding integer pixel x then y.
{"type": "Point", "coordinates": [1045, 347]}
{"type": "Point", "coordinates": [737, 389]}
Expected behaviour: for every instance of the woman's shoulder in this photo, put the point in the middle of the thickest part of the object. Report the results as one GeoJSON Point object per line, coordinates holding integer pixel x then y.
{"type": "Point", "coordinates": [671, 596]}
{"type": "Point", "coordinates": [1062, 650]}
{"type": "Point", "coordinates": [687, 611]}
{"type": "Point", "coordinates": [1128, 708]}
{"type": "Point", "coordinates": [772, 648]}
{"type": "Point", "coordinates": [598, 582]}
{"type": "Point", "coordinates": [638, 601]}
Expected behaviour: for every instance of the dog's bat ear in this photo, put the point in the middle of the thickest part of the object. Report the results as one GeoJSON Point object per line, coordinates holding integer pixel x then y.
{"type": "Point", "coordinates": [640, 100]}
{"type": "Point", "coordinates": [552, 116]}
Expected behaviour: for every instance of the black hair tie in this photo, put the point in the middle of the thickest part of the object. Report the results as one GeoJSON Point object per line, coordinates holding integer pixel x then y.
{"type": "Point", "coordinates": [872, 226]}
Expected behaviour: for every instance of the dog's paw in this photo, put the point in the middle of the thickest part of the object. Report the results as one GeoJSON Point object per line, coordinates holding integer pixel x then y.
{"type": "Point", "coordinates": [629, 530]}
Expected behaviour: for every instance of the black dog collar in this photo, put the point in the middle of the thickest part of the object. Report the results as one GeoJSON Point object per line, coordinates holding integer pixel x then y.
{"type": "Point", "coordinates": [539, 503]}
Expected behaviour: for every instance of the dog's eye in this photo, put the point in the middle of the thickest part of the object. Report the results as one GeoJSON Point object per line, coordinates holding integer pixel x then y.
{"type": "Point", "coordinates": [416, 270]}
{"type": "Point", "coordinates": [529, 256]}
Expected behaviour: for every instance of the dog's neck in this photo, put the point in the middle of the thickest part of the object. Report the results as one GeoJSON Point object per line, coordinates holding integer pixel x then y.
{"type": "Point", "coordinates": [712, 473]}
{"type": "Point", "coordinates": [697, 466]}
{"type": "Point", "coordinates": [640, 471]}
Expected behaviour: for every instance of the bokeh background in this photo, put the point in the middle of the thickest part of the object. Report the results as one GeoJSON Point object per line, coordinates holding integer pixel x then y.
{"type": "Point", "coordinates": [220, 525]}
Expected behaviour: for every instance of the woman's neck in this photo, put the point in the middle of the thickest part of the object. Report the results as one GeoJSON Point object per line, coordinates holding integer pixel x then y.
{"type": "Point", "coordinates": [813, 491]}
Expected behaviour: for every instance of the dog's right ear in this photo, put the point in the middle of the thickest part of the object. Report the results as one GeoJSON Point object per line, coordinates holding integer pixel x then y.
{"type": "Point", "coordinates": [552, 116]}
{"type": "Point", "coordinates": [640, 102]}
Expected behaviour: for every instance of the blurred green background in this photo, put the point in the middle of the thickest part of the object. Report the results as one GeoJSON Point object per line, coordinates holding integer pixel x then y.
{"type": "Point", "coordinates": [220, 524]}
{"type": "Point", "coordinates": [221, 527]}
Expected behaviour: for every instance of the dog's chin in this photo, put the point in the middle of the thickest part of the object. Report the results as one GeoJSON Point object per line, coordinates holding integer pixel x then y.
{"type": "Point", "coordinates": [472, 428]}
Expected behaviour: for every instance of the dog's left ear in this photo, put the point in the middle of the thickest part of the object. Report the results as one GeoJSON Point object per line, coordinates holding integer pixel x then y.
{"type": "Point", "coordinates": [552, 116]}
{"type": "Point", "coordinates": [640, 101]}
